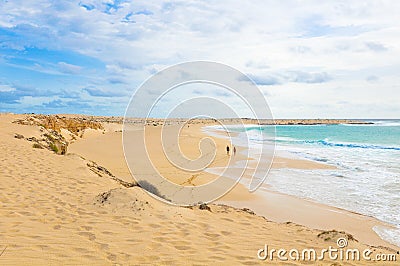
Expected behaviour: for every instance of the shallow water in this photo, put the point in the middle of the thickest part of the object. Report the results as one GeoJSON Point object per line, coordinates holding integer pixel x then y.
{"type": "Point", "coordinates": [367, 157]}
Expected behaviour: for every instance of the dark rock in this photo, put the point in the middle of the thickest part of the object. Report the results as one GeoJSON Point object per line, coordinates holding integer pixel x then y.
{"type": "Point", "coordinates": [248, 211]}
{"type": "Point", "coordinates": [103, 197]}
{"type": "Point", "coordinates": [18, 136]}
{"type": "Point", "coordinates": [203, 206]}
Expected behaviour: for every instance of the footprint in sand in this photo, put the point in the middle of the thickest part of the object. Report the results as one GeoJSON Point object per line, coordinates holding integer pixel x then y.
{"type": "Point", "coordinates": [87, 228]}
{"type": "Point", "coordinates": [226, 233]}
{"type": "Point", "coordinates": [102, 246]}
{"type": "Point", "coordinates": [89, 235]}
{"type": "Point", "coordinates": [182, 247]}
{"type": "Point", "coordinates": [210, 235]}
{"type": "Point", "coordinates": [154, 225]}
{"type": "Point", "coordinates": [112, 257]}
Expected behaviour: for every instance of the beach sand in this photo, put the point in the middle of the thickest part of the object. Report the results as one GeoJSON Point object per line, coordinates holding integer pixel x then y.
{"type": "Point", "coordinates": [59, 209]}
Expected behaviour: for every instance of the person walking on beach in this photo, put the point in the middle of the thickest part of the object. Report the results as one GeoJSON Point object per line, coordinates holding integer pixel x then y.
{"type": "Point", "coordinates": [234, 150]}
{"type": "Point", "coordinates": [227, 149]}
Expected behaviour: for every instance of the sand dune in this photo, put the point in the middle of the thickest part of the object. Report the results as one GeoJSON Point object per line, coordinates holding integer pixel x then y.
{"type": "Point", "coordinates": [56, 210]}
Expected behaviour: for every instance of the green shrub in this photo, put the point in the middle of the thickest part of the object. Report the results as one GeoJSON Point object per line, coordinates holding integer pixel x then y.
{"type": "Point", "coordinates": [37, 146]}
{"type": "Point", "coordinates": [48, 136]}
{"type": "Point", "coordinates": [53, 147]}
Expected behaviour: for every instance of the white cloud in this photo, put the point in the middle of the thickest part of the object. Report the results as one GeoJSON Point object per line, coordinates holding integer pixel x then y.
{"type": "Point", "coordinates": [69, 68]}
{"type": "Point", "coordinates": [6, 88]}
{"type": "Point", "coordinates": [336, 45]}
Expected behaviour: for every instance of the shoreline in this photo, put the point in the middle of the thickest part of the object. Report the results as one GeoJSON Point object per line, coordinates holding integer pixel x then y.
{"type": "Point", "coordinates": [313, 214]}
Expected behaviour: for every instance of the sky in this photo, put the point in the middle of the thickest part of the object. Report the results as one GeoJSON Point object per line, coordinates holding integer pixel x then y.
{"type": "Point", "coordinates": [310, 59]}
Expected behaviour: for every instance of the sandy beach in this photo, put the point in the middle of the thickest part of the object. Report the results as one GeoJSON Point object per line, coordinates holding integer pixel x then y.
{"type": "Point", "coordinates": [82, 206]}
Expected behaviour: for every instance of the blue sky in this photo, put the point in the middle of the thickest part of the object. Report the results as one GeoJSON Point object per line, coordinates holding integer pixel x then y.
{"type": "Point", "coordinates": [310, 58]}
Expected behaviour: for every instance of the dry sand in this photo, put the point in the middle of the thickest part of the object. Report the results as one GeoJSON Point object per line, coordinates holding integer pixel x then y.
{"type": "Point", "coordinates": [55, 210]}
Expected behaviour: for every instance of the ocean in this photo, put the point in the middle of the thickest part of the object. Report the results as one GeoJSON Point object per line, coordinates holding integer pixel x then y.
{"type": "Point", "coordinates": [367, 157]}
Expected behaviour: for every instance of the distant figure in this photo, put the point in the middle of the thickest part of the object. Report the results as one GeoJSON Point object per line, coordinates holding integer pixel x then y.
{"type": "Point", "coordinates": [227, 149]}
{"type": "Point", "coordinates": [234, 150]}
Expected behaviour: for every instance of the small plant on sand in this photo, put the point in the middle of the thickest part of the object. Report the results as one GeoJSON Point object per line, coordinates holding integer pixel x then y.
{"type": "Point", "coordinates": [50, 137]}
{"type": "Point", "coordinates": [53, 147]}
{"type": "Point", "coordinates": [37, 146]}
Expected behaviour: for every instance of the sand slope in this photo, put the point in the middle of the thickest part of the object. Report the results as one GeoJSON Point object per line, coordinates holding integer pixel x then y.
{"type": "Point", "coordinates": [55, 210]}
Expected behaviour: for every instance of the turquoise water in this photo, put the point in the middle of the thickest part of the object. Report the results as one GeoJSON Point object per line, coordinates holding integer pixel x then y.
{"type": "Point", "coordinates": [367, 157]}
{"type": "Point", "coordinates": [383, 136]}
